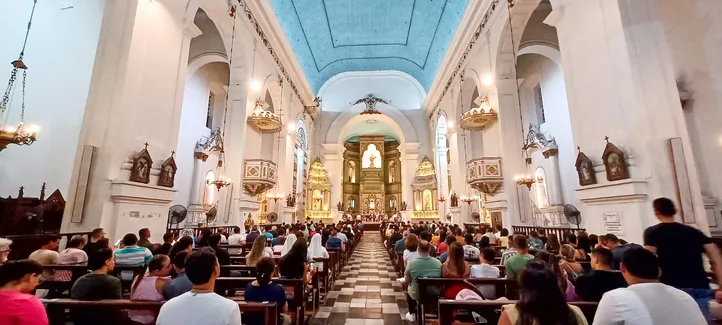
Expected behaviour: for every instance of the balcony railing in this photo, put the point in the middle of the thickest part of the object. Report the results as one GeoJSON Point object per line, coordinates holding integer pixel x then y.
{"type": "Point", "coordinates": [484, 174]}
{"type": "Point", "coordinates": [259, 175]}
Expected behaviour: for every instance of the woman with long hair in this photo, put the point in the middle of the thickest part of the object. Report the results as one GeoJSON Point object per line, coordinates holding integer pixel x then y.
{"type": "Point", "coordinates": [263, 289]}
{"type": "Point", "coordinates": [541, 301]}
{"type": "Point", "coordinates": [290, 240]}
{"type": "Point", "coordinates": [17, 280]}
{"type": "Point", "coordinates": [553, 244]}
{"type": "Point", "coordinates": [185, 243]}
{"type": "Point", "coordinates": [584, 247]}
{"type": "Point", "coordinates": [455, 267]}
{"type": "Point", "coordinates": [149, 287]}
{"type": "Point", "coordinates": [569, 263]}
{"type": "Point", "coordinates": [293, 265]}
{"type": "Point", "coordinates": [562, 277]}
{"type": "Point", "coordinates": [258, 251]}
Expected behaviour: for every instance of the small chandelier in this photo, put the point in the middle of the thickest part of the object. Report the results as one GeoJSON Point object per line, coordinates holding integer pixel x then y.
{"type": "Point", "coordinates": [476, 119]}
{"type": "Point", "coordinates": [264, 120]}
{"type": "Point", "coordinates": [525, 180]}
{"type": "Point", "coordinates": [468, 199]}
{"type": "Point", "coordinates": [441, 198]}
{"type": "Point", "coordinates": [19, 135]}
{"type": "Point", "coordinates": [220, 181]}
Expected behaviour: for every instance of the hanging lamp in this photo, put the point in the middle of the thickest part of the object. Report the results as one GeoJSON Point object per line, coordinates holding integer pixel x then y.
{"type": "Point", "coordinates": [476, 119]}
{"type": "Point", "coordinates": [17, 135]}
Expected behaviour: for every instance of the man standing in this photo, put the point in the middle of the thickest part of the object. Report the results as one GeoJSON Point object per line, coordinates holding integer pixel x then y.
{"type": "Point", "coordinates": [422, 266]}
{"type": "Point", "coordinates": [646, 300]}
{"type": "Point", "coordinates": [144, 241]}
{"type": "Point", "coordinates": [591, 287]}
{"type": "Point", "coordinates": [201, 305]}
{"type": "Point", "coordinates": [516, 263]}
{"type": "Point", "coordinates": [680, 248]}
{"type": "Point", "coordinates": [611, 242]}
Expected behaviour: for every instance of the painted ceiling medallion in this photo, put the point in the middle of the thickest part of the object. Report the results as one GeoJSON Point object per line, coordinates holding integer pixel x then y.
{"type": "Point", "coordinates": [332, 37]}
{"type": "Point", "coordinates": [266, 121]}
{"type": "Point", "coordinates": [476, 119]}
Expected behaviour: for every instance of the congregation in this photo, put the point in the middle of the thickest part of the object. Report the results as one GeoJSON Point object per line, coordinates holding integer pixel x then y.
{"type": "Point", "coordinates": [523, 278]}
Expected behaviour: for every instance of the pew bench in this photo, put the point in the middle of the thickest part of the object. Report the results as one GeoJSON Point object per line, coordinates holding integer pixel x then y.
{"type": "Point", "coordinates": [59, 309]}
{"type": "Point", "coordinates": [296, 301]}
{"type": "Point", "coordinates": [491, 309]}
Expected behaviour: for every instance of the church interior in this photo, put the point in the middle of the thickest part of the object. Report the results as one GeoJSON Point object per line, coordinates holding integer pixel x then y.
{"type": "Point", "coordinates": [189, 114]}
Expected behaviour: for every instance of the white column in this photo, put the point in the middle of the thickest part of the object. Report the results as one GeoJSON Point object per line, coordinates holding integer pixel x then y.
{"type": "Point", "coordinates": [554, 181]}
{"type": "Point", "coordinates": [197, 184]}
{"type": "Point", "coordinates": [621, 83]}
{"type": "Point", "coordinates": [409, 162]}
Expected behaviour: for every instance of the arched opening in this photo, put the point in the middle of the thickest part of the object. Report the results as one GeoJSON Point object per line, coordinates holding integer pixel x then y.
{"type": "Point", "coordinates": [540, 189]}
{"type": "Point", "coordinates": [351, 172]}
{"type": "Point", "coordinates": [371, 157]}
{"type": "Point", "coordinates": [209, 191]}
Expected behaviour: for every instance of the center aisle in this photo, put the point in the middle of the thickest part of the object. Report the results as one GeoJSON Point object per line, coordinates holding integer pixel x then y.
{"type": "Point", "coordinates": [367, 291]}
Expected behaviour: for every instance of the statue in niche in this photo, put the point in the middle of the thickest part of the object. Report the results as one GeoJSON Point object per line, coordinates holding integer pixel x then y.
{"type": "Point", "coordinates": [392, 172]}
{"type": "Point", "coordinates": [372, 164]}
{"type": "Point", "coordinates": [454, 200]}
{"type": "Point", "coordinates": [428, 204]}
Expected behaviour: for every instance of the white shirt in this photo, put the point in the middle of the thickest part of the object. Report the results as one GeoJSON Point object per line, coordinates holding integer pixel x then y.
{"type": "Point", "coordinates": [199, 308]}
{"type": "Point", "coordinates": [235, 239]}
{"type": "Point", "coordinates": [410, 256]}
{"type": "Point", "coordinates": [485, 271]}
{"type": "Point", "coordinates": [648, 304]}
{"type": "Point", "coordinates": [343, 237]}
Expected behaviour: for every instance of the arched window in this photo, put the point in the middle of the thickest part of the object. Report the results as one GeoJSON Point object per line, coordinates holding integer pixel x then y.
{"type": "Point", "coordinates": [209, 192]}
{"type": "Point", "coordinates": [371, 157]}
{"type": "Point", "coordinates": [392, 171]}
{"type": "Point", "coordinates": [351, 172]}
{"type": "Point", "coordinates": [317, 200]}
{"type": "Point", "coordinates": [540, 187]}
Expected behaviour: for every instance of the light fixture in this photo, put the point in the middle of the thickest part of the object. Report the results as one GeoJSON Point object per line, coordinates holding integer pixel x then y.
{"type": "Point", "coordinates": [468, 199]}
{"type": "Point", "coordinates": [450, 124]}
{"type": "Point", "coordinates": [220, 181]}
{"type": "Point", "coordinates": [266, 121]}
{"type": "Point", "coordinates": [291, 127]}
{"type": "Point", "coordinates": [527, 180]}
{"type": "Point", "coordinates": [442, 198]}
{"type": "Point", "coordinates": [487, 79]}
{"type": "Point", "coordinates": [17, 135]}
{"type": "Point", "coordinates": [476, 119]}
{"type": "Point", "coordinates": [275, 197]}
{"type": "Point", "coordinates": [255, 85]}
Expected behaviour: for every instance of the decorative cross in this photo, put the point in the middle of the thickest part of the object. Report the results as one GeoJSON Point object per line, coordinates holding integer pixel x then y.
{"type": "Point", "coordinates": [579, 148]}
{"type": "Point", "coordinates": [606, 138]}
{"type": "Point", "coordinates": [146, 145]}
{"type": "Point", "coordinates": [172, 153]}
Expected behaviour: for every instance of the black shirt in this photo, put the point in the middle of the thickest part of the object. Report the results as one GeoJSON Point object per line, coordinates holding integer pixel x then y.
{"type": "Point", "coordinates": [680, 250]}
{"type": "Point", "coordinates": [618, 252]}
{"type": "Point", "coordinates": [223, 257]}
{"type": "Point", "coordinates": [163, 249]}
{"type": "Point", "coordinates": [591, 287]}
{"type": "Point", "coordinates": [394, 238]}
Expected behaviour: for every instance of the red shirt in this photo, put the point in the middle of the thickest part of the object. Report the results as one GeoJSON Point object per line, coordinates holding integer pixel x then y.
{"type": "Point", "coordinates": [441, 248]}
{"type": "Point", "coordinates": [18, 308]}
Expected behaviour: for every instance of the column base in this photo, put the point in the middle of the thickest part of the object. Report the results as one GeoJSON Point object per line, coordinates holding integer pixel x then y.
{"type": "Point", "coordinates": [622, 208]}
{"type": "Point", "coordinates": [137, 206]}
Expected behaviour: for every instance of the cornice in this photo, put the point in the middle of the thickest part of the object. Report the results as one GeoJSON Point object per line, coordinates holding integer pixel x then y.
{"type": "Point", "coordinates": [455, 59]}
{"type": "Point", "coordinates": [270, 33]}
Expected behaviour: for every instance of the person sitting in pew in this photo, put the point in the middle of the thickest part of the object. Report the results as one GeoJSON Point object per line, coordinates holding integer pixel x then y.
{"type": "Point", "coordinates": [422, 266]}
{"type": "Point", "coordinates": [98, 285]}
{"type": "Point", "coordinates": [73, 254]}
{"type": "Point", "coordinates": [569, 262]}
{"type": "Point", "coordinates": [294, 266]}
{"type": "Point", "coordinates": [400, 245]}
{"type": "Point", "coordinates": [288, 244]}
{"type": "Point", "coordinates": [503, 238]}
{"type": "Point", "coordinates": [315, 250]}
{"type": "Point", "coordinates": [166, 246]}
{"type": "Point", "coordinates": [516, 263]}
{"type": "Point", "coordinates": [47, 255]}
{"type": "Point", "coordinates": [591, 287]}
{"type": "Point", "coordinates": [4, 249]}
{"type": "Point", "coordinates": [562, 277]}
{"type": "Point", "coordinates": [450, 238]}
{"type": "Point", "coordinates": [184, 244]}
{"type": "Point", "coordinates": [180, 284]}
{"type": "Point", "coordinates": [411, 251]}
{"type": "Point", "coordinates": [263, 289]}
{"type": "Point", "coordinates": [223, 257]}
{"type": "Point", "coordinates": [132, 254]}
{"type": "Point", "coordinates": [425, 235]}
{"type": "Point", "coordinates": [509, 252]}
{"type": "Point", "coordinates": [455, 267]}
{"type": "Point", "coordinates": [281, 236]}
{"type": "Point", "coordinates": [335, 242]}
{"type": "Point", "coordinates": [237, 238]}
{"type": "Point", "coordinates": [201, 305]}
{"type": "Point", "coordinates": [485, 270]}
{"type": "Point", "coordinates": [149, 287]}
{"type": "Point", "coordinates": [646, 300]}
{"type": "Point", "coordinates": [470, 251]}
{"type": "Point", "coordinates": [17, 280]}
{"type": "Point", "coordinates": [259, 251]}
{"type": "Point", "coordinates": [278, 246]}
{"type": "Point", "coordinates": [541, 301]}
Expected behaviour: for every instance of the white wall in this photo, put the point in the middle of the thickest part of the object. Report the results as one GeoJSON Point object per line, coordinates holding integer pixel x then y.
{"type": "Point", "coordinates": [60, 55]}
{"type": "Point", "coordinates": [399, 89]}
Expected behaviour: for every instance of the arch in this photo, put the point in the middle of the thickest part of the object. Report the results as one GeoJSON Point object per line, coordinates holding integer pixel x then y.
{"type": "Point", "coordinates": [201, 60]}
{"type": "Point", "coordinates": [389, 115]}
{"type": "Point", "coordinates": [355, 84]}
{"type": "Point", "coordinates": [301, 135]}
{"type": "Point", "coordinates": [521, 13]}
{"type": "Point", "coordinates": [217, 11]}
{"type": "Point", "coordinates": [543, 50]}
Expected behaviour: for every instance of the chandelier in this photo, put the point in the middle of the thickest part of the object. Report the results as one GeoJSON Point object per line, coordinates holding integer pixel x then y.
{"type": "Point", "coordinates": [526, 180]}
{"type": "Point", "coordinates": [264, 120]}
{"type": "Point", "coordinates": [17, 135]}
{"type": "Point", "coordinates": [275, 197]}
{"type": "Point", "coordinates": [476, 119]}
{"type": "Point", "coordinates": [220, 181]}
{"type": "Point", "coordinates": [469, 199]}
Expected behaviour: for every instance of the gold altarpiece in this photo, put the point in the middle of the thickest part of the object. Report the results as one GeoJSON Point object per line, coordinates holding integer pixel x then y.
{"type": "Point", "coordinates": [424, 188]}
{"type": "Point", "coordinates": [319, 190]}
{"type": "Point", "coordinates": [372, 176]}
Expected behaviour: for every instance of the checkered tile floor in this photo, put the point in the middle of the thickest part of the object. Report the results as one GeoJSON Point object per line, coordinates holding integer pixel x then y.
{"type": "Point", "coordinates": [367, 291]}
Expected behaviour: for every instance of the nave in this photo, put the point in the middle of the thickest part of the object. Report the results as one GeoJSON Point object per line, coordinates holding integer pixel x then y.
{"type": "Point", "coordinates": [366, 292]}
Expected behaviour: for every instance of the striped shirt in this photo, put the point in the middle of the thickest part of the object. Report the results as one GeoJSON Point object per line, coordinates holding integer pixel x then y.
{"type": "Point", "coordinates": [133, 256]}
{"type": "Point", "coordinates": [509, 253]}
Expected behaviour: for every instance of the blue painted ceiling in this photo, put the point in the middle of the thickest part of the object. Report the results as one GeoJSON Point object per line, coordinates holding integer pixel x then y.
{"type": "Point", "coordinates": [335, 36]}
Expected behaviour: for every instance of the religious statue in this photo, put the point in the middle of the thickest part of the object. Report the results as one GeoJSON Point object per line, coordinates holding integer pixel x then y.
{"type": "Point", "coordinates": [370, 101]}
{"type": "Point", "coordinates": [339, 206]}
{"type": "Point", "coordinates": [454, 200]}
{"type": "Point", "coordinates": [371, 161]}
{"type": "Point", "coordinates": [403, 205]}
{"type": "Point", "coordinates": [290, 200]}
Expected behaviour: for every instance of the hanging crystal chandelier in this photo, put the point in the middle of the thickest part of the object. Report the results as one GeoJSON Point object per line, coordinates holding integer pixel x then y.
{"type": "Point", "coordinates": [476, 119]}
{"type": "Point", "coordinates": [17, 135]}
{"type": "Point", "coordinates": [221, 180]}
{"type": "Point", "coordinates": [526, 180]}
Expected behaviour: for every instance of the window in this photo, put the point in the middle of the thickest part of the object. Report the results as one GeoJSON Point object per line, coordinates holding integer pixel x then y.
{"type": "Point", "coordinates": [539, 104]}
{"type": "Point", "coordinates": [209, 112]}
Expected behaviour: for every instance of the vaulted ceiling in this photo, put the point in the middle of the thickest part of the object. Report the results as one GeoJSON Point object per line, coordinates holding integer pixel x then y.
{"type": "Point", "coordinates": [335, 36]}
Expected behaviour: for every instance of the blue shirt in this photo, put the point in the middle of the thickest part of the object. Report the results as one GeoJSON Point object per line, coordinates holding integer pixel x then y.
{"type": "Point", "coordinates": [443, 257]}
{"type": "Point", "coordinates": [272, 293]}
{"type": "Point", "coordinates": [177, 286]}
{"type": "Point", "coordinates": [133, 256]}
{"type": "Point", "coordinates": [334, 242]}
{"type": "Point", "coordinates": [268, 235]}
{"type": "Point", "coordinates": [275, 241]}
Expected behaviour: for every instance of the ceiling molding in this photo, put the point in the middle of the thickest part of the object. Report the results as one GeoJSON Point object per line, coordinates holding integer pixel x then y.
{"type": "Point", "coordinates": [481, 16]}
{"type": "Point", "coordinates": [266, 28]}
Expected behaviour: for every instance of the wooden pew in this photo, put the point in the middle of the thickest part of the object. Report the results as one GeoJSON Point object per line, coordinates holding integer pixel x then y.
{"type": "Point", "coordinates": [428, 303]}
{"type": "Point", "coordinates": [58, 287]}
{"type": "Point", "coordinates": [57, 308]}
{"type": "Point", "coordinates": [323, 267]}
{"type": "Point", "coordinates": [295, 303]}
{"type": "Point", "coordinates": [491, 309]}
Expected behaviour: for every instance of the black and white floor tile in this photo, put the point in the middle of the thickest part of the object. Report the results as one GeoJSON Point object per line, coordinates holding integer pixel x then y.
{"type": "Point", "coordinates": [366, 292]}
